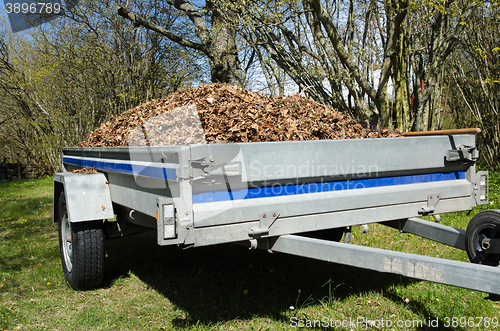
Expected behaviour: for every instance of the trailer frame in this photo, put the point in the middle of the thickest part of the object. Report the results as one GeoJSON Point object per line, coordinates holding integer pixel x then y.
{"type": "Point", "coordinates": [265, 194]}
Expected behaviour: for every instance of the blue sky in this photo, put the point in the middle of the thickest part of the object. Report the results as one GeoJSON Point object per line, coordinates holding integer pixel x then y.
{"type": "Point", "coordinates": [3, 15]}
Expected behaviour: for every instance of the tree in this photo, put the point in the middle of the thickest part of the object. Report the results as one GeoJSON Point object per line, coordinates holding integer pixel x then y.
{"type": "Point", "coordinates": [25, 120]}
{"type": "Point", "coordinates": [444, 23]}
{"type": "Point", "coordinates": [214, 36]}
{"type": "Point", "coordinates": [348, 54]}
{"type": "Point", "coordinates": [473, 78]}
{"type": "Point", "coordinates": [72, 74]}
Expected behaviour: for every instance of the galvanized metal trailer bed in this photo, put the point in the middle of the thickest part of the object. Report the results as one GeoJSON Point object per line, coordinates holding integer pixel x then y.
{"type": "Point", "coordinates": [265, 194]}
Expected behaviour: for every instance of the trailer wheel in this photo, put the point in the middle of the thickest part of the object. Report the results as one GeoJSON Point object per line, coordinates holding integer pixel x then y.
{"type": "Point", "coordinates": [82, 250]}
{"type": "Point", "coordinates": [482, 226]}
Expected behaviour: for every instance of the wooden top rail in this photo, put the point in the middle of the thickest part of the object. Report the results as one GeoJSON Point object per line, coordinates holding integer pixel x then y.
{"type": "Point", "coordinates": [442, 132]}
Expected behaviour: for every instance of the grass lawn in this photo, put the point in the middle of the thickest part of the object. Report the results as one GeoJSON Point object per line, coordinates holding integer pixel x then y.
{"type": "Point", "coordinates": [225, 287]}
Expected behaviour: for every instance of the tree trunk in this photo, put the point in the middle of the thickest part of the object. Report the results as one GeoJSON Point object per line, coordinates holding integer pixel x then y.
{"type": "Point", "coordinates": [218, 43]}
{"type": "Point", "coordinates": [223, 53]}
{"type": "Point", "coordinates": [383, 106]}
{"type": "Point", "coordinates": [402, 95]}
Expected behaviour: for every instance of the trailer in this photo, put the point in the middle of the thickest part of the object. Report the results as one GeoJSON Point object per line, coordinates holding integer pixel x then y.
{"type": "Point", "coordinates": [298, 197]}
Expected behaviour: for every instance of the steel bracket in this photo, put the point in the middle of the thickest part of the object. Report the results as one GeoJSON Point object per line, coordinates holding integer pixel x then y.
{"type": "Point", "coordinates": [462, 153]}
{"type": "Point", "coordinates": [481, 187]}
{"type": "Point", "coordinates": [432, 200]}
{"type": "Point", "coordinates": [266, 220]}
{"type": "Point", "coordinates": [202, 168]}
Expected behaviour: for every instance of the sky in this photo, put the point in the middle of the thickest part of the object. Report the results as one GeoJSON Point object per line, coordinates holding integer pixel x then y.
{"type": "Point", "coordinates": [4, 16]}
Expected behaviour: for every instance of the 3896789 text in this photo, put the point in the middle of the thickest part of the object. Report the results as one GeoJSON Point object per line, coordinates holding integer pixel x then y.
{"type": "Point", "coordinates": [32, 8]}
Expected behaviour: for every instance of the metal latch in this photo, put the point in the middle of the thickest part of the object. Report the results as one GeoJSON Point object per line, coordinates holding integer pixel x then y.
{"type": "Point", "coordinates": [266, 220]}
{"type": "Point", "coordinates": [205, 169]}
{"type": "Point", "coordinates": [432, 200]}
{"type": "Point", "coordinates": [462, 153]}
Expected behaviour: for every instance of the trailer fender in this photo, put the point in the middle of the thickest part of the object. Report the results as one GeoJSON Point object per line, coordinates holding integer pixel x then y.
{"type": "Point", "coordinates": [87, 196]}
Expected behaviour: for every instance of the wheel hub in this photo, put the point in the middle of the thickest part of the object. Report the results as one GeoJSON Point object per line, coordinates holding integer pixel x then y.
{"type": "Point", "coordinates": [67, 246]}
{"type": "Point", "coordinates": [483, 238]}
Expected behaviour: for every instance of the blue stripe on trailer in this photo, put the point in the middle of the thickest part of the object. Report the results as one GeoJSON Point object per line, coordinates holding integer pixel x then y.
{"type": "Point", "coordinates": [278, 190]}
{"type": "Point", "coordinates": [125, 168]}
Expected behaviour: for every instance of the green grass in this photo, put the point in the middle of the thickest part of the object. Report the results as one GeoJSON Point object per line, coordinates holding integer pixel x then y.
{"type": "Point", "coordinates": [226, 287]}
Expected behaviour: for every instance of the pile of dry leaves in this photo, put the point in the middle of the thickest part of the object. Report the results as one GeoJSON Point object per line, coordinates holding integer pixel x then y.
{"type": "Point", "coordinates": [223, 113]}
{"type": "Point", "coordinates": [85, 170]}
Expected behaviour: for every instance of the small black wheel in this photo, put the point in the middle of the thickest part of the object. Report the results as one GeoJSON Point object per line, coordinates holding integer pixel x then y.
{"type": "Point", "coordinates": [82, 250]}
{"type": "Point", "coordinates": [482, 226]}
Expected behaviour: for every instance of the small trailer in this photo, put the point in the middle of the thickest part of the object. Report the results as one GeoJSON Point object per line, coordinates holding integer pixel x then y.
{"type": "Point", "coordinates": [298, 197]}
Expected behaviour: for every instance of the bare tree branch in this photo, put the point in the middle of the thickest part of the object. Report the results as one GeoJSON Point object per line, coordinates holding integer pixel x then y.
{"type": "Point", "coordinates": [337, 44]}
{"type": "Point", "coordinates": [202, 31]}
{"type": "Point", "coordinates": [137, 20]}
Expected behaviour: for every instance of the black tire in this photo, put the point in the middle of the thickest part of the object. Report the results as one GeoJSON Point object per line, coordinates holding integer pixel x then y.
{"type": "Point", "coordinates": [82, 250]}
{"type": "Point", "coordinates": [486, 224]}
